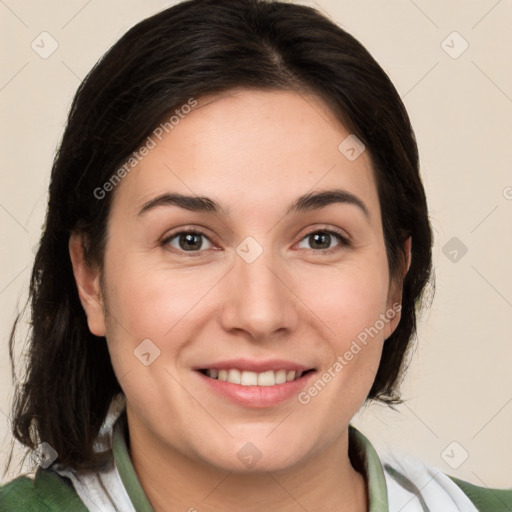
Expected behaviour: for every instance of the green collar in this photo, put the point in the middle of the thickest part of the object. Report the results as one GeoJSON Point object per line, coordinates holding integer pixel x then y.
{"type": "Point", "coordinates": [372, 468]}
{"type": "Point", "coordinates": [126, 470]}
{"type": "Point", "coordinates": [376, 483]}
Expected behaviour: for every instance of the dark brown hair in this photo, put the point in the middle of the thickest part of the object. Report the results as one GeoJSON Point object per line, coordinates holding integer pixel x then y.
{"type": "Point", "coordinates": [195, 48]}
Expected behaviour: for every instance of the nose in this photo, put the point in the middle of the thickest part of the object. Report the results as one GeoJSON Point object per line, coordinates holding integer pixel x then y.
{"type": "Point", "coordinates": [259, 298]}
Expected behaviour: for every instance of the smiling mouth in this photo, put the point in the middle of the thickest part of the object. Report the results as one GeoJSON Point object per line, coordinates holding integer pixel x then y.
{"type": "Point", "coordinates": [248, 378]}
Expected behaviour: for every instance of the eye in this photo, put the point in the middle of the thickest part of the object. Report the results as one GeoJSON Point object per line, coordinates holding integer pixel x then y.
{"type": "Point", "coordinates": [188, 241]}
{"type": "Point", "coordinates": [321, 239]}
{"type": "Point", "coordinates": [192, 241]}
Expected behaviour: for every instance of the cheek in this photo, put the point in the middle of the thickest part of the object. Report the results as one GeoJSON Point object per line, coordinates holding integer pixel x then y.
{"type": "Point", "coordinates": [351, 305]}
{"type": "Point", "coordinates": [347, 300]}
{"type": "Point", "coordinates": [348, 304]}
{"type": "Point", "coordinates": [149, 303]}
{"type": "Point", "coordinates": [154, 302]}
{"type": "Point", "coordinates": [143, 297]}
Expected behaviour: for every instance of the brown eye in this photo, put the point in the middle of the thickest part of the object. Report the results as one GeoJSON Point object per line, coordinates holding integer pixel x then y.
{"type": "Point", "coordinates": [188, 241]}
{"type": "Point", "coordinates": [322, 240]}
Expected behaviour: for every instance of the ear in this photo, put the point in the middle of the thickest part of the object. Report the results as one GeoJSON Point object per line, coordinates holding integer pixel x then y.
{"type": "Point", "coordinates": [87, 280]}
{"type": "Point", "coordinates": [408, 256]}
{"type": "Point", "coordinates": [394, 303]}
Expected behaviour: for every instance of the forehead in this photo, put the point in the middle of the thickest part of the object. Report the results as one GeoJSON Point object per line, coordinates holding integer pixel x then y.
{"type": "Point", "coordinates": [250, 148]}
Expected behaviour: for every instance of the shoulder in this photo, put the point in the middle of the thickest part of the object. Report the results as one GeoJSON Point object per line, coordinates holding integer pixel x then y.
{"type": "Point", "coordinates": [47, 492]}
{"type": "Point", "coordinates": [411, 482]}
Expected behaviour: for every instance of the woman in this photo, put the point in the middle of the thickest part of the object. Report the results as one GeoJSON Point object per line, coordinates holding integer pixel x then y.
{"type": "Point", "coordinates": [236, 242]}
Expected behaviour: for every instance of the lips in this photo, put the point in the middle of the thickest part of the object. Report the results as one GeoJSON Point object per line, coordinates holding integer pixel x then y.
{"type": "Point", "coordinates": [255, 383]}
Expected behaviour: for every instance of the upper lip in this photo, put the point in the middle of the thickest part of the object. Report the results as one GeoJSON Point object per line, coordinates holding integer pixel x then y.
{"type": "Point", "coordinates": [252, 365]}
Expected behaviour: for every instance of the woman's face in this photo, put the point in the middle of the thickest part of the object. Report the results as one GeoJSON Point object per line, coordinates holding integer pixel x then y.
{"type": "Point", "coordinates": [269, 282]}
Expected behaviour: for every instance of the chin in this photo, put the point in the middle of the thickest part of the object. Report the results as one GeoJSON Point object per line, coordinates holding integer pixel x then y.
{"type": "Point", "coordinates": [256, 454]}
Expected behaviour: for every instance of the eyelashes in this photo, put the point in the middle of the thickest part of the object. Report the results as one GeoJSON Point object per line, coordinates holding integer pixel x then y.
{"type": "Point", "coordinates": [193, 239]}
{"type": "Point", "coordinates": [186, 236]}
{"type": "Point", "coordinates": [330, 234]}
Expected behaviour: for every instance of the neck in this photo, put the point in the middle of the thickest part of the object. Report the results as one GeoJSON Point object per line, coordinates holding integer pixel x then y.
{"type": "Point", "coordinates": [173, 481]}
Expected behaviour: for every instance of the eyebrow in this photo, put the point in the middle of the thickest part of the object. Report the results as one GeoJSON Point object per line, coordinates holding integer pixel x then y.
{"type": "Point", "coordinates": [307, 202]}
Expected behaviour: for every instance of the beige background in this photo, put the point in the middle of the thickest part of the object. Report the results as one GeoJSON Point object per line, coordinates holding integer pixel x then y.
{"type": "Point", "coordinates": [459, 386]}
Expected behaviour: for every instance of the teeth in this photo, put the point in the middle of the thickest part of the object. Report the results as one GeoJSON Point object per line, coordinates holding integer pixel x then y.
{"type": "Point", "coordinates": [280, 376]}
{"type": "Point", "coordinates": [248, 379]}
{"type": "Point", "coordinates": [268, 378]}
{"type": "Point", "coordinates": [234, 376]}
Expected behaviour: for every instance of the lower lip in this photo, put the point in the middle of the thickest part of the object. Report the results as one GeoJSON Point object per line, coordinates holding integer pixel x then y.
{"type": "Point", "coordinates": [257, 396]}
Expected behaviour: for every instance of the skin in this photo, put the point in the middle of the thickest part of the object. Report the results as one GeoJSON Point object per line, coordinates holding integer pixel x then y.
{"type": "Point", "coordinates": [254, 152]}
